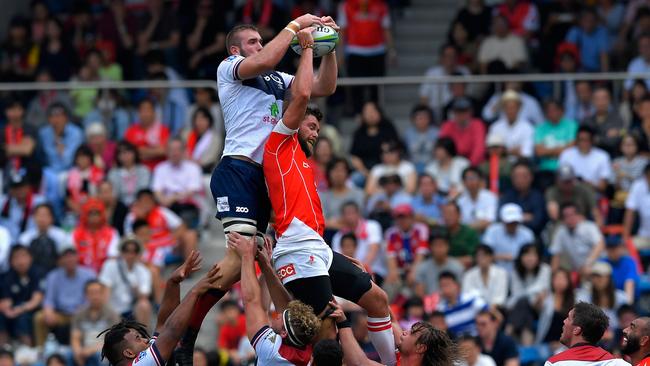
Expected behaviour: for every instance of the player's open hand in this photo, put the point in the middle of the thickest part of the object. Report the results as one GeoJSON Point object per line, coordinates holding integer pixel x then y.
{"type": "Point", "coordinates": [308, 20]}
{"type": "Point", "coordinates": [244, 246]}
{"type": "Point", "coordinates": [192, 264]}
{"type": "Point", "coordinates": [305, 37]}
{"type": "Point", "coordinates": [329, 21]}
{"type": "Point", "coordinates": [209, 281]}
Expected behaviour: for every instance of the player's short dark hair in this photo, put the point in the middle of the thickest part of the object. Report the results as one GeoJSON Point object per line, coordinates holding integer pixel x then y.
{"type": "Point", "coordinates": [145, 192]}
{"type": "Point", "coordinates": [449, 275]}
{"type": "Point", "coordinates": [231, 37]}
{"type": "Point", "coordinates": [327, 352]}
{"type": "Point", "coordinates": [137, 224]}
{"type": "Point", "coordinates": [591, 319]}
{"type": "Point", "coordinates": [114, 339]}
{"type": "Point", "coordinates": [313, 110]}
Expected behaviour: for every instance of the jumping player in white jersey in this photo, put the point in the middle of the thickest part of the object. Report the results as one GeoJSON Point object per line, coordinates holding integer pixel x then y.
{"type": "Point", "coordinates": [127, 343]}
{"type": "Point", "coordinates": [304, 262]}
{"type": "Point", "coordinates": [251, 96]}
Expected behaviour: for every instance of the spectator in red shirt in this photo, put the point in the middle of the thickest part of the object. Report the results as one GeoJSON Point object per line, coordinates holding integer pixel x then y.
{"type": "Point", "coordinates": [148, 135]}
{"type": "Point", "coordinates": [365, 32]}
{"type": "Point", "coordinates": [522, 16]}
{"type": "Point", "coordinates": [94, 238]}
{"type": "Point", "coordinates": [232, 328]}
{"type": "Point", "coordinates": [467, 132]}
{"type": "Point", "coordinates": [407, 243]}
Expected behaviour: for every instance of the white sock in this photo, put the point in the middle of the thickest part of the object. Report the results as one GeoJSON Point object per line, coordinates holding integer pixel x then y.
{"type": "Point", "coordinates": [380, 332]}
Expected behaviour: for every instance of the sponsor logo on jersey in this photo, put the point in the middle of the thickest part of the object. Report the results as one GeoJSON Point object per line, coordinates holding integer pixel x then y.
{"type": "Point", "coordinates": [241, 209]}
{"type": "Point", "coordinates": [286, 271]}
{"type": "Point", "coordinates": [274, 109]}
{"type": "Point", "coordinates": [222, 204]}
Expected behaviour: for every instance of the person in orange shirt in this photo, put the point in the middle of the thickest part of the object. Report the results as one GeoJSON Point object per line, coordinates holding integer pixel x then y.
{"type": "Point", "coordinates": [148, 135]}
{"type": "Point", "coordinates": [94, 238]}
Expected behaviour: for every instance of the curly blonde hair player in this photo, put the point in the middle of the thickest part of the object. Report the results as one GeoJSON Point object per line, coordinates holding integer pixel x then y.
{"type": "Point", "coordinates": [304, 324]}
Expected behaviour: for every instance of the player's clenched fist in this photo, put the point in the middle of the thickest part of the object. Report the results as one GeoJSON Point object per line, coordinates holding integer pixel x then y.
{"type": "Point", "coordinates": [305, 38]}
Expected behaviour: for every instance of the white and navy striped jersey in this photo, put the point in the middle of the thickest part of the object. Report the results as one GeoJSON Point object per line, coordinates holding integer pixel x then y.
{"type": "Point", "coordinates": [150, 356]}
{"type": "Point", "coordinates": [250, 107]}
{"type": "Point", "coordinates": [271, 351]}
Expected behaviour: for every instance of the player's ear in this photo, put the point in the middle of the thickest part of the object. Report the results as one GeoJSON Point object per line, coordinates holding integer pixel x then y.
{"type": "Point", "coordinates": [128, 353]}
{"type": "Point", "coordinates": [234, 50]}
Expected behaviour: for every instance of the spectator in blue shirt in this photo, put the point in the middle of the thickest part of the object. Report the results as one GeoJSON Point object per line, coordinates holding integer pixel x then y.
{"type": "Point", "coordinates": [625, 274]}
{"type": "Point", "coordinates": [427, 203]}
{"type": "Point", "coordinates": [530, 199]}
{"type": "Point", "coordinates": [460, 308]}
{"type": "Point", "coordinates": [64, 294]}
{"type": "Point", "coordinates": [21, 293]}
{"type": "Point", "coordinates": [59, 140]}
{"type": "Point", "coordinates": [592, 41]}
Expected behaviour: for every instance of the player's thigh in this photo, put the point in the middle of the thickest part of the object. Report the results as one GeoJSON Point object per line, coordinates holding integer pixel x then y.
{"type": "Point", "coordinates": [313, 291]}
{"type": "Point", "coordinates": [240, 194]}
{"type": "Point", "coordinates": [230, 269]}
{"type": "Point", "coordinates": [348, 281]}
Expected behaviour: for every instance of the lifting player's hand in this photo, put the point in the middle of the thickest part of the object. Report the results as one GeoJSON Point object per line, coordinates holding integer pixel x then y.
{"type": "Point", "coordinates": [308, 20]}
{"type": "Point", "coordinates": [242, 245]}
{"type": "Point", "coordinates": [338, 314]}
{"type": "Point", "coordinates": [209, 281]}
{"type": "Point", "coordinates": [329, 21]}
{"type": "Point", "coordinates": [305, 38]}
{"type": "Point", "coordinates": [264, 255]}
{"type": "Point", "coordinates": [192, 264]}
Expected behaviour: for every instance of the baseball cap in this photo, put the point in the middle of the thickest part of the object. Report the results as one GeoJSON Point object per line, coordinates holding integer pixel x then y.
{"type": "Point", "coordinates": [565, 172]}
{"type": "Point", "coordinates": [510, 95]}
{"type": "Point", "coordinates": [511, 212]}
{"type": "Point", "coordinates": [601, 268]}
{"type": "Point", "coordinates": [461, 104]}
{"type": "Point", "coordinates": [495, 139]}
{"type": "Point", "coordinates": [95, 129]}
{"type": "Point", "coordinates": [403, 210]}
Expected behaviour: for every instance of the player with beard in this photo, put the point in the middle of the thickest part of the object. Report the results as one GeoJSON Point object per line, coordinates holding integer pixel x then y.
{"type": "Point", "coordinates": [305, 264]}
{"type": "Point", "coordinates": [582, 330]}
{"type": "Point", "coordinates": [421, 345]}
{"type": "Point", "coordinates": [251, 94]}
{"type": "Point", "coordinates": [636, 342]}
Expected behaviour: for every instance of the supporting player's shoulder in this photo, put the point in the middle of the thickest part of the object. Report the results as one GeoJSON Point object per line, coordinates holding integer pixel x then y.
{"type": "Point", "coordinates": [278, 139]}
{"type": "Point", "coordinates": [228, 68]}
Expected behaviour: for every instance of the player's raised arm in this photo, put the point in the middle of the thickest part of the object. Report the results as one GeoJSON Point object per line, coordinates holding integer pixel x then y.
{"type": "Point", "coordinates": [279, 295]}
{"type": "Point", "coordinates": [325, 81]}
{"type": "Point", "coordinates": [353, 355]}
{"type": "Point", "coordinates": [177, 322]}
{"type": "Point", "coordinates": [269, 56]}
{"type": "Point", "coordinates": [302, 83]}
{"type": "Point", "coordinates": [251, 290]}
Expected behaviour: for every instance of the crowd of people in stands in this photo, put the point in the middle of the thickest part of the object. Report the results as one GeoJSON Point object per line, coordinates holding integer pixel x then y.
{"type": "Point", "coordinates": [493, 213]}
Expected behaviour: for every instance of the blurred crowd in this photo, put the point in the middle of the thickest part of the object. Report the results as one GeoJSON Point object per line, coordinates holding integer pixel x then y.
{"type": "Point", "coordinates": [490, 215]}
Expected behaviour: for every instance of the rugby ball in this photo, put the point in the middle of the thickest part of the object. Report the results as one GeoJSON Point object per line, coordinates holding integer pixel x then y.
{"type": "Point", "coordinates": [325, 40]}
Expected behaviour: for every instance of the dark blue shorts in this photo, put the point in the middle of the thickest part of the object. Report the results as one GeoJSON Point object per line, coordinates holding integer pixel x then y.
{"type": "Point", "coordinates": [239, 191]}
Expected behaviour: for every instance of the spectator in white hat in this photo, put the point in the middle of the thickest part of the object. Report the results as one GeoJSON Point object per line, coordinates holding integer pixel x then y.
{"type": "Point", "coordinates": [507, 237]}
{"type": "Point", "coordinates": [103, 149]}
{"type": "Point", "coordinates": [517, 132]}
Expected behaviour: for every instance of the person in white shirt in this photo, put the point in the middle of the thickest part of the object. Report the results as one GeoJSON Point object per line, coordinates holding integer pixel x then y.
{"type": "Point", "coordinates": [486, 278]}
{"type": "Point", "coordinates": [503, 46]}
{"type": "Point", "coordinates": [44, 240]}
{"type": "Point", "coordinates": [478, 206]}
{"type": "Point", "coordinates": [436, 95]}
{"type": "Point", "coordinates": [507, 237]}
{"type": "Point", "coordinates": [589, 163]}
{"type": "Point", "coordinates": [638, 202]}
{"type": "Point", "coordinates": [530, 111]}
{"type": "Point", "coordinates": [576, 241]}
{"type": "Point", "coordinates": [178, 182]}
{"type": "Point", "coordinates": [370, 248]}
{"type": "Point", "coordinates": [470, 351]}
{"type": "Point", "coordinates": [392, 163]}
{"type": "Point", "coordinates": [128, 282]}
{"type": "Point", "coordinates": [517, 133]}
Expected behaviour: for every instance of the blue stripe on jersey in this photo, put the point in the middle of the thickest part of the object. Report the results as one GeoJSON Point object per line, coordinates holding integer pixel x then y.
{"type": "Point", "coordinates": [259, 335]}
{"type": "Point", "coordinates": [270, 83]}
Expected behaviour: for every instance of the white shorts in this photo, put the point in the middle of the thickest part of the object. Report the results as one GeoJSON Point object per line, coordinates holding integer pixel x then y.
{"type": "Point", "coordinates": [302, 259]}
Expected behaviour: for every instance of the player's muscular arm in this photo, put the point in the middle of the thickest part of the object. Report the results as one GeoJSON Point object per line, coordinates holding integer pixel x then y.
{"type": "Point", "coordinates": [273, 52]}
{"type": "Point", "coordinates": [279, 295]}
{"type": "Point", "coordinates": [325, 81]}
{"type": "Point", "coordinates": [353, 355]}
{"type": "Point", "coordinates": [302, 84]}
{"type": "Point", "coordinates": [251, 290]}
{"type": "Point", "coordinates": [177, 322]}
